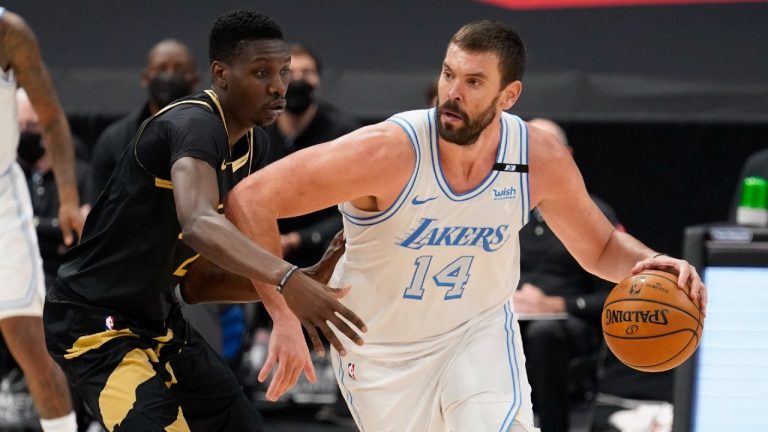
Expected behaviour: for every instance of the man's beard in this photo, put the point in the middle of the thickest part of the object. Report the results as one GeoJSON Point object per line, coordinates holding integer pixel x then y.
{"type": "Point", "coordinates": [470, 132]}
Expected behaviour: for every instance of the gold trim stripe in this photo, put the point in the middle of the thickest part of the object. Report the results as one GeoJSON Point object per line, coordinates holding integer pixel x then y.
{"type": "Point", "coordinates": [182, 269]}
{"type": "Point", "coordinates": [215, 98]}
{"type": "Point", "coordinates": [83, 344]}
{"type": "Point", "coordinates": [162, 183]}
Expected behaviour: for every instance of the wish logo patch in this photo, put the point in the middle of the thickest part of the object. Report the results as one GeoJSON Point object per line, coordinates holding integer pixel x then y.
{"type": "Point", "coordinates": [504, 193]}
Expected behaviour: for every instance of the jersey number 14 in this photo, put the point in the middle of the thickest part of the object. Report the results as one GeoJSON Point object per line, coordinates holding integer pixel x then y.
{"type": "Point", "coordinates": [454, 277]}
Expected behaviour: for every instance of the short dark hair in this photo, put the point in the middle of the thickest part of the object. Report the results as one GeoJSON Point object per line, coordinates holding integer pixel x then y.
{"type": "Point", "coordinates": [492, 36]}
{"type": "Point", "coordinates": [231, 31]}
{"type": "Point", "coordinates": [301, 49]}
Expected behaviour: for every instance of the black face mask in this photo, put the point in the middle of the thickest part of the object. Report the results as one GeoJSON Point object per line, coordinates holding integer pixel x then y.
{"type": "Point", "coordinates": [30, 147]}
{"type": "Point", "coordinates": [166, 88]}
{"type": "Point", "coordinates": [300, 96]}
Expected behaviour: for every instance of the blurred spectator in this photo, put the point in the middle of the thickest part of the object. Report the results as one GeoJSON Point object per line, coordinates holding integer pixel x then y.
{"type": "Point", "coordinates": [170, 74]}
{"type": "Point", "coordinates": [306, 121]}
{"type": "Point", "coordinates": [755, 165]}
{"type": "Point", "coordinates": [551, 281]}
{"type": "Point", "coordinates": [37, 167]}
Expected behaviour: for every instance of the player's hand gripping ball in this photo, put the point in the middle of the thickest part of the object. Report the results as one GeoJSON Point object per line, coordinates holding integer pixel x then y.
{"type": "Point", "coordinates": [650, 323]}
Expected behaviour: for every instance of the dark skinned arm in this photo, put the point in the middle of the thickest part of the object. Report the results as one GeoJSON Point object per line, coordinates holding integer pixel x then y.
{"type": "Point", "coordinates": [196, 194]}
{"type": "Point", "coordinates": [304, 301]}
{"type": "Point", "coordinates": [23, 55]}
{"type": "Point", "coordinates": [205, 282]}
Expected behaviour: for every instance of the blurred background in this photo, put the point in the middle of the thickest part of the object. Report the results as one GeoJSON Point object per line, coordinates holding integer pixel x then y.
{"type": "Point", "coordinates": [662, 101]}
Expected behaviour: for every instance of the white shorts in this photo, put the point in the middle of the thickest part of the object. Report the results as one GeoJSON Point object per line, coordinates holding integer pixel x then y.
{"type": "Point", "coordinates": [475, 381]}
{"type": "Point", "coordinates": [22, 284]}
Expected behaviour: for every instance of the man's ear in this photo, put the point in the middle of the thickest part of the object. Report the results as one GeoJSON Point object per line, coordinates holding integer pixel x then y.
{"type": "Point", "coordinates": [220, 74]}
{"type": "Point", "coordinates": [510, 94]}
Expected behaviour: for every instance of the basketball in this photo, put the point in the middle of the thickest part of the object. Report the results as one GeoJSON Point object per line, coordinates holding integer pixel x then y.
{"type": "Point", "coordinates": [650, 323]}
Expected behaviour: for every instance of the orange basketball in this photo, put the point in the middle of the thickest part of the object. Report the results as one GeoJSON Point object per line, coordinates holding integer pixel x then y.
{"type": "Point", "coordinates": [650, 323]}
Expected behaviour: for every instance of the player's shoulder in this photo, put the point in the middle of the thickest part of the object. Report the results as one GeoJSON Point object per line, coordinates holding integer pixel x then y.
{"type": "Point", "coordinates": [10, 19]}
{"type": "Point", "coordinates": [195, 117]}
{"type": "Point", "coordinates": [544, 146]}
{"type": "Point", "coordinates": [413, 117]}
{"type": "Point", "coordinates": [12, 25]}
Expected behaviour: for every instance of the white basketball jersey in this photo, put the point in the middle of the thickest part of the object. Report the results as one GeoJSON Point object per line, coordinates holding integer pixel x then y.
{"type": "Point", "coordinates": [9, 125]}
{"type": "Point", "coordinates": [435, 259]}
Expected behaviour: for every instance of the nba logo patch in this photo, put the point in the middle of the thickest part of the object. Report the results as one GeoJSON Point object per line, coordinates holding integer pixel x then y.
{"type": "Point", "coordinates": [110, 322]}
{"type": "Point", "coordinates": [351, 371]}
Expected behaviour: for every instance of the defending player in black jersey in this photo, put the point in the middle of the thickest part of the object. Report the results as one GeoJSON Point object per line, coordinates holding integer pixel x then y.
{"type": "Point", "coordinates": [111, 321]}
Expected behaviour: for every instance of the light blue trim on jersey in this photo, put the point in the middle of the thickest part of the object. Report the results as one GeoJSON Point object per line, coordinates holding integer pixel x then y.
{"type": "Point", "coordinates": [2, 11]}
{"type": "Point", "coordinates": [343, 387]}
{"type": "Point", "coordinates": [514, 370]}
{"type": "Point", "coordinates": [29, 295]}
{"type": "Point", "coordinates": [438, 171]}
{"type": "Point", "coordinates": [386, 214]}
{"type": "Point", "coordinates": [524, 187]}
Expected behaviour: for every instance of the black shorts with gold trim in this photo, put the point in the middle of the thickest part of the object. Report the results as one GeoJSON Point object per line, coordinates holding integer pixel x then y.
{"type": "Point", "coordinates": [144, 376]}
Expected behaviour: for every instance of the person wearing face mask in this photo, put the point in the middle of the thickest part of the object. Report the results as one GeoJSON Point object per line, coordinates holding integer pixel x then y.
{"type": "Point", "coordinates": [170, 74]}
{"type": "Point", "coordinates": [306, 121]}
{"type": "Point", "coordinates": [37, 167]}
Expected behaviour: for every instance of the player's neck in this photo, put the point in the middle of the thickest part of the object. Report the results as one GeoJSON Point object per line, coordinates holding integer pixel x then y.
{"type": "Point", "coordinates": [235, 126]}
{"type": "Point", "coordinates": [464, 166]}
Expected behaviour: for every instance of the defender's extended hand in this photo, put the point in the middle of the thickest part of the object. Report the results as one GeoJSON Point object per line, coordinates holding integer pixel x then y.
{"type": "Point", "coordinates": [316, 306]}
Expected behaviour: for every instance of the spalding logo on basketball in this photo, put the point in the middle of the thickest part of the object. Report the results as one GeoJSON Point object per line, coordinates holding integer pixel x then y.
{"type": "Point", "coordinates": [650, 323]}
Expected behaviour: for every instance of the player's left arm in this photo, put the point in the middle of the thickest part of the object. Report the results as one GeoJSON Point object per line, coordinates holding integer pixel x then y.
{"type": "Point", "coordinates": [205, 282]}
{"type": "Point", "coordinates": [20, 46]}
{"type": "Point", "coordinates": [558, 190]}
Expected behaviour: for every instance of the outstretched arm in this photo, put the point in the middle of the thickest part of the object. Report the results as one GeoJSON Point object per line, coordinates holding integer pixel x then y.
{"type": "Point", "coordinates": [23, 55]}
{"type": "Point", "coordinates": [205, 282]}
{"type": "Point", "coordinates": [196, 196]}
{"type": "Point", "coordinates": [558, 190]}
{"type": "Point", "coordinates": [368, 167]}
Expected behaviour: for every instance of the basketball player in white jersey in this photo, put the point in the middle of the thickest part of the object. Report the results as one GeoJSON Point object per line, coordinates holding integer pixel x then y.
{"type": "Point", "coordinates": [22, 291]}
{"type": "Point", "coordinates": [432, 202]}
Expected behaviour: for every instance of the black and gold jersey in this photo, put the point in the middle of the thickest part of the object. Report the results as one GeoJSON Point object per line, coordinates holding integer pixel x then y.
{"type": "Point", "coordinates": [132, 253]}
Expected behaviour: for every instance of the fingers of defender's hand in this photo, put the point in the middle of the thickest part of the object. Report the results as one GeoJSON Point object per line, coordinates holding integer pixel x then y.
{"type": "Point", "coordinates": [315, 338]}
{"type": "Point", "coordinates": [331, 336]}
{"type": "Point", "coordinates": [339, 239]}
{"type": "Point", "coordinates": [348, 331]}
{"type": "Point", "coordinates": [354, 319]}
{"type": "Point", "coordinates": [339, 293]}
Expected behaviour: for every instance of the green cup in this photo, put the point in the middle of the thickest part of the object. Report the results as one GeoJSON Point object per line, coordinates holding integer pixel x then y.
{"type": "Point", "coordinates": [754, 193]}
